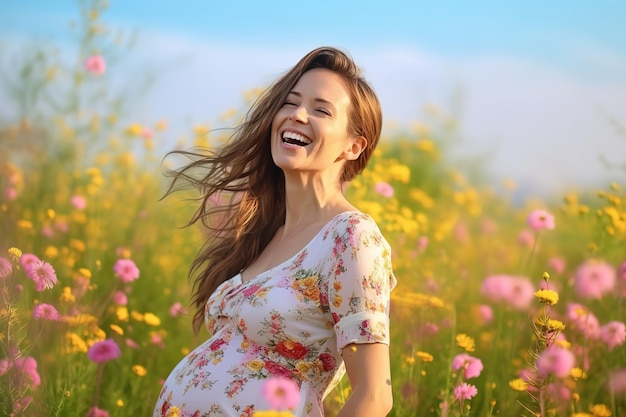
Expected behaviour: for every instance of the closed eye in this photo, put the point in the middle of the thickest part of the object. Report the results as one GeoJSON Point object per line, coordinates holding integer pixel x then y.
{"type": "Point", "coordinates": [324, 111]}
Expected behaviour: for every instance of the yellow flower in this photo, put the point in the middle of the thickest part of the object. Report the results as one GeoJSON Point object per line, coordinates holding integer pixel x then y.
{"type": "Point", "coordinates": [582, 415]}
{"type": "Point", "coordinates": [555, 325]}
{"type": "Point", "coordinates": [134, 129]}
{"type": "Point", "coordinates": [424, 356]}
{"type": "Point", "coordinates": [85, 272]}
{"type": "Point", "coordinates": [600, 410]}
{"type": "Point", "coordinates": [465, 342]}
{"type": "Point", "coordinates": [122, 313]}
{"type": "Point", "coordinates": [577, 373]}
{"type": "Point", "coordinates": [151, 319]}
{"type": "Point", "coordinates": [117, 329]}
{"type": "Point", "coordinates": [67, 296]}
{"type": "Point", "coordinates": [15, 252]}
{"type": "Point", "coordinates": [24, 224]}
{"type": "Point", "coordinates": [51, 252]}
{"type": "Point", "coordinates": [518, 384]}
{"type": "Point", "coordinates": [139, 370]}
{"type": "Point", "coordinates": [120, 402]}
{"type": "Point", "coordinates": [547, 296]}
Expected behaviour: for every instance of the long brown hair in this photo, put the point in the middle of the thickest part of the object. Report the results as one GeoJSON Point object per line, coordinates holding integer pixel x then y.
{"type": "Point", "coordinates": [243, 168]}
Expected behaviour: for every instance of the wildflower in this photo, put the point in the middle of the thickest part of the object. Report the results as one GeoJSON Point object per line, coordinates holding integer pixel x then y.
{"type": "Point", "coordinates": [526, 238]}
{"type": "Point", "coordinates": [45, 311]}
{"type": "Point", "coordinates": [464, 391]}
{"type": "Point", "coordinates": [176, 309]}
{"type": "Point", "coordinates": [151, 320]}
{"type": "Point", "coordinates": [600, 410]}
{"type": "Point", "coordinates": [67, 296]}
{"type": "Point", "coordinates": [594, 279]}
{"type": "Point", "coordinates": [583, 320]}
{"type": "Point", "coordinates": [558, 264]}
{"type": "Point", "coordinates": [173, 411]}
{"type": "Point", "coordinates": [555, 361]}
{"type": "Point", "coordinates": [117, 329]}
{"type": "Point", "coordinates": [485, 313]}
{"type": "Point", "coordinates": [613, 334]}
{"type": "Point", "coordinates": [5, 268]}
{"type": "Point", "coordinates": [28, 367]}
{"type": "Point", "coordinates": [15, 252]}
{"type": "Point", "coordinates": [97, 412]}
{"type": "Point", "coordinates": [120, 298]}
{"type": "Point", "coordinates": [514, 291]}
{"type": "Point", "coordinates": [472, 367]}
{"type": "Point", "coordinates": [424, 356]}
{"type": "Point", "coordinates": [518, 384]}
{"type": "Point", "coordinates": [139, 370]}
{"type": "Point", "coordinates": [78, 202]}
{"type": "Point", "coordinates": [540, 219]}
{"type": "Point", "coordinates": [28, 258]}
{"type": "Point", "coordinates": [42, 273]}
{"type": "Point", "coordinates": [553, 325]}
{"type": "Point", "coordinates": [465, 342]}
{"type": "Point", "coordinates": [549, 297]}
{"type": "Point", "coordinates": [103, 351]}
{"type": "Point", "coordinates": [577, 373]}
{"type": "Point", "coordinates": [126, 270]}
{"type": "Point", "coordinates": [95, 64]}
{"type": "Point", "coordinates": [281, 393]}
{"type": "Point", "coordinates": [383, 188]}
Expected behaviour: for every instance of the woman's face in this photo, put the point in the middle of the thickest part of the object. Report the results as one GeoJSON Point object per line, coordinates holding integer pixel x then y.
{"type": "Point", "coordinates": [310, 131]}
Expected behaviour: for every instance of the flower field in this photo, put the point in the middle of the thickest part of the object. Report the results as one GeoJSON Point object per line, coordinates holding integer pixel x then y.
{"type": "Point", "coordinates": [502, 308]}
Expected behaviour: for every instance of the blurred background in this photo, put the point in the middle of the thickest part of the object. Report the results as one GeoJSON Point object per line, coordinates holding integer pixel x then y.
{"type": "Point", "coordinates": [536, 89]}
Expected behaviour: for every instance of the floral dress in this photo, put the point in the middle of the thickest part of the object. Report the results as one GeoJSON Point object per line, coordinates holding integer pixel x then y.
{"type": "Point", "coordinates": [290, 321]}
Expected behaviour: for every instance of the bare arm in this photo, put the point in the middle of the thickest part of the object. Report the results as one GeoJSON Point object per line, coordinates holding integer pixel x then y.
{"type": "Point", "coordinates": [368, 369]}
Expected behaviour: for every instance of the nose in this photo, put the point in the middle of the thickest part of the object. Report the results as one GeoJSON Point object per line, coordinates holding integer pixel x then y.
{"type": "Point", "coordinates": [298, 114]}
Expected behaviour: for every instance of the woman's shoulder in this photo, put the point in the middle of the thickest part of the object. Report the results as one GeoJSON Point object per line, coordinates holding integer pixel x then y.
{"type": "Point", "coordinates": [353, 222]}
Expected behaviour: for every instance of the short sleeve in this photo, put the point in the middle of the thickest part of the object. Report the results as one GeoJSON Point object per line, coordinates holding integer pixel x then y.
{"type": "Point", "coordinates": [360, 279]}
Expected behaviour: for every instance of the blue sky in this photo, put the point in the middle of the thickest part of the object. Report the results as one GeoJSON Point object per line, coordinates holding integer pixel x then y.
{"type": "Point", "coordinates": [537, 78]}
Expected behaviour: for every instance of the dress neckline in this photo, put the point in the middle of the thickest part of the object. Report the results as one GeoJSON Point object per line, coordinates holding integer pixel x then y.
{"type": "Point", "coordinates": [239, 277]}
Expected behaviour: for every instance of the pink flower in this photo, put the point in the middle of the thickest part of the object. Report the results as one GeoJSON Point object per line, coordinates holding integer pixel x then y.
{"type": "Point", "coordinates": [518, 292]}
{"type": "Point", "coordinates": [617, 381]}
{"type": "Point", "coordinates": [42, 273]}
{"type": "Point", "coordinates": [126, 270]}
{"type": "Point", "coordinates": [103, 351]}
{"type": "Point", "coordinates": [555, 361]}
{"type": "Point", "coordinates": [97, 412]}
{"type": "Point", "coordinates": [485, 313]}
{"type": "Point", "coordinates": [540, 219]}
{"type": "Point", "coordinates": [95, 64]}
{"type": "Point", "coordinates": [464, 391]}
{"type": "Point", "coordinates": [176, 309]}
{"type": "Point", "coordinates": [28, 367]}
{"type": "Point", "coordinates": [583, 320]}
{"type": "Point", "coordinates": [28, 258]}
{"type": "Point", "coordinates": [526, 238]}
{"type": "Point", "coordinates": [132, 344]}
{"type": "Point", "coordinates": [120, 298]}
{"type": "Point", "coordinates": [10, 193]}
{"type": "Point", "coordinates": [78, 202]}
{"type": "Point", "coordinates": [281, 393]}
{"type": "Point", "coordinates": [45, 311]}
{"type": "Point", "coordinates": [594, 279]}
{"type": "Point", "coordinates": [613, 334]}
{"type": "Point", "coordinates": [558, 264]}
{"type": "Point", "coordinates": [472, 367]}
{"type": "Point", "coordinates": [383, 188]}
{"type": "Point", "coordinates": [5, 268]}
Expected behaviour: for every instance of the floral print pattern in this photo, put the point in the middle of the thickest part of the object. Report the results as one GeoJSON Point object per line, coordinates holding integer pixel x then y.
{"type": "Point", "coordinates": [291, 321]}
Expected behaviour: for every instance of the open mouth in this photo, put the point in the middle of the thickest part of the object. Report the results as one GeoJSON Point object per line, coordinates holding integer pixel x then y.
{"type": "Point", "coordinates": [293, 138]}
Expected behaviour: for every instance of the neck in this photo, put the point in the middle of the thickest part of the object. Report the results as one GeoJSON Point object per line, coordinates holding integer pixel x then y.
{"type": "Point", "coordinates": [312, 200]}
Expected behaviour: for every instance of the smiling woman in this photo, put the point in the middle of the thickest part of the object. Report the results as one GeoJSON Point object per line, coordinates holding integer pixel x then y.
{"type": "Point", "coordinates": [295, 281]}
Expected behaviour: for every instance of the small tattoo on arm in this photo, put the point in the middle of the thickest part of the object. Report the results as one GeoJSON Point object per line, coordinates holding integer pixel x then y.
{"type": "Point", "coordinates": [388, 381]}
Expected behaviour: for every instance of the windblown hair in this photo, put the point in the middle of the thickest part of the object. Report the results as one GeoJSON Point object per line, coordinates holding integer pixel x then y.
{"type": "Point", "coordinates": [244, 170]}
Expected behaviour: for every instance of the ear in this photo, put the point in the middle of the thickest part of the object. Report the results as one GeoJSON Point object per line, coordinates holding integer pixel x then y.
{"type": "Point", "coordinates": [354, 147]}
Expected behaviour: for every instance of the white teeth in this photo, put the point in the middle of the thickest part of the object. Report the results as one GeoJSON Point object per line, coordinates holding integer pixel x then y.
{"type": "Point", "coordinates": [293, 137]}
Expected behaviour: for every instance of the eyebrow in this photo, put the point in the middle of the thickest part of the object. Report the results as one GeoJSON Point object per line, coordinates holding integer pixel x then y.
{"type": "Point", "coordinates": [318, 99]}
